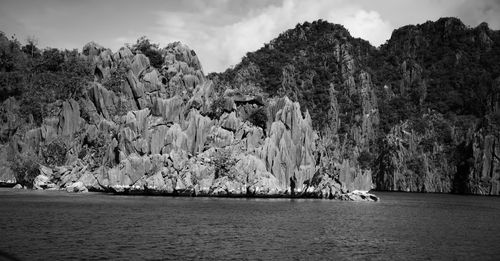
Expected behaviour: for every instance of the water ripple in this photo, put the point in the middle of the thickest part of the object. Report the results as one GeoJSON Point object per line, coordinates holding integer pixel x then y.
{"type": "Point", "coordinates": [60, 226]}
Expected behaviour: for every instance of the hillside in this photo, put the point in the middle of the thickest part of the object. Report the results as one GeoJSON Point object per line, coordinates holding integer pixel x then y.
{"type": "Point", "coordinates": [420, 113]}
{"type": "Point", "coordinates": [314, 112]}
{"type": "Point", "coordinates": [146, 120]}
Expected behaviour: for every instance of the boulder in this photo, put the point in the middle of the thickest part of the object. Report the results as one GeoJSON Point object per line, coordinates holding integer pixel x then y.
{"type": "Point", "coordinates": [41, 181]}
{"type": "Point", "coordinates": [77, 187]}
{"type": "Point", "coordinates": [154, 81]}
{"type": "Point", "coordinates": [358, 195]}
{"type": "Point", "coordinates": [89, 181]}
{"type": "Point", "coordinates": [123, 54]}
{"type": "Point", "coordinates": [231, 122]}
{"type": "Point", "coordinates": [46, 171]}
{"type": "Point", "coordinates": [156, 182]}
{"type": "Point", "coordinates": [140, 63]}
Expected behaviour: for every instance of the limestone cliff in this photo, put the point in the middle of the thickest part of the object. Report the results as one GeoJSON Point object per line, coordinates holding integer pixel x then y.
{"type": "Point", "coordinates": [420, 113]}
{"type": "Point", "coordinates": [170, 130]}
{"type": "Point", "coordinates": [315, 110]}
{"type": "Point", "coordinates": [440, 110]}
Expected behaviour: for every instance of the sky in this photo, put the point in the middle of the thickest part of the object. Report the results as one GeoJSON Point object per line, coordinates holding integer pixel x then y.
{"type": "Point", "coordinates": [220, 31]}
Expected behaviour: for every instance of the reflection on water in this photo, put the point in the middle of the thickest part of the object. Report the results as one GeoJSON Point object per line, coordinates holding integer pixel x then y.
{"type": "Point", "coordinates": [56, 225]}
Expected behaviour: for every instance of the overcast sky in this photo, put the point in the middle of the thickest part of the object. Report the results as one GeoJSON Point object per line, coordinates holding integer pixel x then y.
{"type": "Point", "coordinates": [220, 31]}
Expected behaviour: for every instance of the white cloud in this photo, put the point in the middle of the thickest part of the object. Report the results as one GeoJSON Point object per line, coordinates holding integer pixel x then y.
{"type": "Point", "coordinates": [369, 26]}
{"type": "Point", "coordinates": [224, 45]}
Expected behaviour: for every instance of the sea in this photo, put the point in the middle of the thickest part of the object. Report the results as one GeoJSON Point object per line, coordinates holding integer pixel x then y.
{"type": "Point", "coordinates": [56, 225]}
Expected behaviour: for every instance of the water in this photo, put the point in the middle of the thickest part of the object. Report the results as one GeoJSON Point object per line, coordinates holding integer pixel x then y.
{"type": "Point", "coordinates": [60, 226]}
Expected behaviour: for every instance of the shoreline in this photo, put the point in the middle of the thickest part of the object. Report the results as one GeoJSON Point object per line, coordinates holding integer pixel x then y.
{"type": "Point", "coordinates": [352, 196]}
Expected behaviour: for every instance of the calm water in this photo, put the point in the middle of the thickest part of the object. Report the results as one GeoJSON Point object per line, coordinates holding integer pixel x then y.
{"type": "Point", "coordinates": [61, 226]}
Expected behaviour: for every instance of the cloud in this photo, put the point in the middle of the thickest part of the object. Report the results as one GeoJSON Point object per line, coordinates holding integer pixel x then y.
{"type": "Point", "coordinates": [476, 12]}
{"type": "Point", "coordinates": [224, 45]}
{"type": "Point", "coordinates": [222, 31]}
{"type": "Point", "coordinates": [369, 26]}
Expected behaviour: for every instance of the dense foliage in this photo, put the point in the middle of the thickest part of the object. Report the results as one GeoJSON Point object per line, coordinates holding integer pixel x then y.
{"type": "Point", "coordinates": [451, 69]}
{"type": "Point", "coordinates": [440, 79]}
{"type": "Point", "coordinates": [302, 64]}
{"type": "Point", "coordinates": [442, 66]}
{"type": "Point", "coordinates": [55, 152]}
{"type": "Point", "coordinates": [26, 167]}
{"type": "Point", "coordinates": [217, 108]}
{"type": "Point", "coordinates": [259, 118]}
{"type": "Point", "coordinates": [149, 49]}
{"type": "Point", "coordinates": [223, 162]}
{"type": "Point", "coordinates": [40, 77]}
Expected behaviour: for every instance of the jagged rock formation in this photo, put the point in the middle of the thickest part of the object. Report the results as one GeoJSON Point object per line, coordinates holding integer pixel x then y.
{"type": "Point", "coordinates": [419, 114]}
{"type": "Point", "coordinates": [315, 110]}
{"type": "Point", "coordinates": [323, 68]}
{"type": "Point", "coordinates": [169, 130]}
{"type": "Point", "coordinates": [446, 75]}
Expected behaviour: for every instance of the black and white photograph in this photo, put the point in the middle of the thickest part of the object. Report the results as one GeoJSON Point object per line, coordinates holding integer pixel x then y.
{"type": "Point", "coordinates": [249, 130]}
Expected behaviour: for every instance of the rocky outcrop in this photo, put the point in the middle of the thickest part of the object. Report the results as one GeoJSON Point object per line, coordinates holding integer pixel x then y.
{"type": "Point", "coordinates": [156, 130]}
{"type": "Point", "coordinates": [370, 106]}
{"type": "Point", "coordinates": [7, 175]}
{"type": "Point", "coordinates": [415, 162]}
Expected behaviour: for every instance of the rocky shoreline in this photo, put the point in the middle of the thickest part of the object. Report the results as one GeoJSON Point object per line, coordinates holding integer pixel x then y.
{"type": "Point", "coordinates": [78, 188]}
{"type": "Point", "coordinates": [172, 131]}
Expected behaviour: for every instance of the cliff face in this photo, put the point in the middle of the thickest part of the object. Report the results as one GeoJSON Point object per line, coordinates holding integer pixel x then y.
{"type": "Point", "coordinates": [445, 75]}
{"type": "Point", "coordinates": [169, 130]}
{"type": "Point", "coordinates": [323, 68]}
{"type": "Point", "coordinates": [418, 114]}
{"type": "Point", "coordinates": [315, 109]}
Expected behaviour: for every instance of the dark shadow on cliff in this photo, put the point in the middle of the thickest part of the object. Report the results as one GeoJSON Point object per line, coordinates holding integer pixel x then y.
{"type": "Point", "coordinates": [465, 160]}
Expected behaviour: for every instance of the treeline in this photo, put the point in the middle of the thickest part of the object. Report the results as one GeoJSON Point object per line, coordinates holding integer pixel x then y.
{"type": "Point", "coordinates": [38, 77]}
{"type": "Point", "coordinates": [442, 66]}
{"type": "Point", "coordinates": [451, 69]}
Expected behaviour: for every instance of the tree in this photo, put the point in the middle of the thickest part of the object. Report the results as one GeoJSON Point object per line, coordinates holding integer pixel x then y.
{"type": "Point", "coordinates": [150, 50]}
{"type": "Point", "coordinates": [11, 56]}
{"type": "Point", "coordinates": [26, 167]}
{"type": "Point", "coordinates": [31, 48]}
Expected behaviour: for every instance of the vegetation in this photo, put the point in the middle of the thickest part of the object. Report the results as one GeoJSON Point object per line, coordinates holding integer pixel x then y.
{"type": "Point", "coordinates": [259, 118]}
{"type": "Point", "coordinates": [439, 80]}
{"type": "Point", "coordinates": [149, 49]}
{"type": "Point", "coordinates": [441, 69]}
{"type": "Point", "coordinates": [40, 77]}
{"type": "Point", "coordinates": [217, 108]}
{"type": "Point", "coordinates": [26, 167]}
{"type": "Point", "coordinates": [118, 77]}
{"type": "Point", "coordinates": [55, 152]}
{"type": "Point", "coordinates": [301, 63]}
{"type": "Point", "coordinates": [94, 150]}
{"type": "Point", "coordinates": [223, 163]}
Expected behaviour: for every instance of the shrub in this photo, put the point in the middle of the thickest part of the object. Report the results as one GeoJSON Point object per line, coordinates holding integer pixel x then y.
{"type": "Point", "coordinates": [150, 50]}
{"type": "Point", "coordinates": [95, 149]}
{"type": "Point", "coordinates": [114, 83]}
{"type": "Point", "coordinates": [259, 118]}
{"type": "Point", "coordinates": [47, 87]}
{"type": "Point", "coordinates": [217, 108]}
{"type": "Point", "coordinates": [223, 162]}
{"type": "Point", "coordinates": [55, 153]}
{"type": "Point", "coordinates": [26, 167]}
